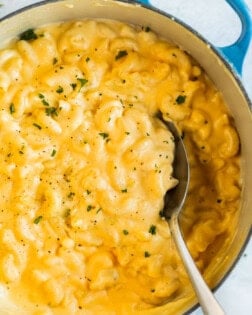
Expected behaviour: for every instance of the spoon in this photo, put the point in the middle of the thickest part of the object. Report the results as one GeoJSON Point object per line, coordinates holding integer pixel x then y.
{"type": "Point", "coordinates": [174, 201]}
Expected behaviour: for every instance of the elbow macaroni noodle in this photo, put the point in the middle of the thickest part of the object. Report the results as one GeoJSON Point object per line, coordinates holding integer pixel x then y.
{"type": "Point", "coordinates": [85, 164]}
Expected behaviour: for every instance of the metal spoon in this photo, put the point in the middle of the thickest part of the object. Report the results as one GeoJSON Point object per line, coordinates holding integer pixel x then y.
{"type": "Point", "coordinates": [174, 201]}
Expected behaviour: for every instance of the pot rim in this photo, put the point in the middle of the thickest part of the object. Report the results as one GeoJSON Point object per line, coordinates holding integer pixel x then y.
{"type": "Point", "coordinates": [189, 28]}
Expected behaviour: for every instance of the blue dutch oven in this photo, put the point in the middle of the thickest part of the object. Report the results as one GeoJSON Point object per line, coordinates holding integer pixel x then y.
{"type": "Point", "coordinates": [223, 65]}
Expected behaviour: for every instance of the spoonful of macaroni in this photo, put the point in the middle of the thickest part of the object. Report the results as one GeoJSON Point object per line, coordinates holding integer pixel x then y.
{"type": "Point", "coordinates": [174, 201]}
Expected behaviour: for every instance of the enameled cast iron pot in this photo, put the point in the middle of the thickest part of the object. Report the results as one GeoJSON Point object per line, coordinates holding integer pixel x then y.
{"type": "Point", "coordinates": [222, 65]}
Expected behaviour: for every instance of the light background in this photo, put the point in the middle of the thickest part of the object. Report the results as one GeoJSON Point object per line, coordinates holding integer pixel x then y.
{"type": "Point", "coordinates": [217, 22]}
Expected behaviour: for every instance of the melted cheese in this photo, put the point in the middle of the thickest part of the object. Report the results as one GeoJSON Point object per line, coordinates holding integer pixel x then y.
{"type": "Point", "coordinates": [85, 165]}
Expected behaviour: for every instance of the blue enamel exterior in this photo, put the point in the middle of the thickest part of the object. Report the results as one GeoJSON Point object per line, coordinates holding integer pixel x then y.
{"type": "Point", "coordinates": [236, 52]}
{"type": "Point", "coordinates": [143, 1]}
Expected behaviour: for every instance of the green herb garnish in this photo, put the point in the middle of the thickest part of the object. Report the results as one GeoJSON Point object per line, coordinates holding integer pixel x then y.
{"type": "Point", "coordinates": [146, 254]}
{"type": "Point", "coordinates": [12, 108]}
{"type": "Point", "coordinates": [38, 219]}
{"type": "Point", "coordinates": [37, 126]}
{"type": "Point", "coordinates": [60, 90]}
{"type": "Point", "coordinates": [104, 135]}
{"type": "Point", "coordinates": [153, 229]}
{"type": "Point", "coordinates": [28, 35]}
{"type": "Point", "coordinates": [100, 209]}
{"type": "Point", "coordinates": [125, 232]}
{"type": "Point", "coordinates": [180, 99]}
{"type": "Point", "coordinates": [82, 81]}
{"type": "Point", "coordinates": [124, 190]}
{"type": "Point", "coordinates": [45, 103]}
{"type": "Point", "coordinates": [53, 152]}
{"type": "Point", "coordinates": [90, 207]}
{"type": "Point", "coordinates": [43, 100]}
{"type": "Point", "coordinates": [51, 111]}
{"type": "Point", "coordinates": [121, 54]}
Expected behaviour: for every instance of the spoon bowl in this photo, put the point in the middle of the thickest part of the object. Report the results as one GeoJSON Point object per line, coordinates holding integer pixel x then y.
{"type": "Point", "coordinates": [174, 201]}
{"type": "Point", "coordinates": [175, 198]}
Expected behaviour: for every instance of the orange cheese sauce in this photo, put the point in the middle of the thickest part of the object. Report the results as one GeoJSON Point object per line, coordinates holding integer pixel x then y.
{"type": "Point", "coordinates": [85, 164]}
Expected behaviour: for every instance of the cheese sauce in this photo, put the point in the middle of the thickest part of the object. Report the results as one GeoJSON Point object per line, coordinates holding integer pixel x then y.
{"type": "Point", "coordinates": [85, 164]}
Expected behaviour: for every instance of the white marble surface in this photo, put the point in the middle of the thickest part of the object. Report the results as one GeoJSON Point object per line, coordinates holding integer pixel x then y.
{"type": "Point", "coordinates": [235, 294]}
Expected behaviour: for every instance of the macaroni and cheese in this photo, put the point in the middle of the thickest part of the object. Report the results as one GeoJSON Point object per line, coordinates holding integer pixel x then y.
{"type": "Point", "coordinates": [85, 164]}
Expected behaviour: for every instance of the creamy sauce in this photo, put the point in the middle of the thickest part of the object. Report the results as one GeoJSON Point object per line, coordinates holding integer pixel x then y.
{"type": "Point", "coordinates": [85, 165]}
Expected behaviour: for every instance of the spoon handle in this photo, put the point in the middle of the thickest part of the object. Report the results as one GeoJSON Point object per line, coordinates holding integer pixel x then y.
{"type": "Point", "coordinates": [209, 304]}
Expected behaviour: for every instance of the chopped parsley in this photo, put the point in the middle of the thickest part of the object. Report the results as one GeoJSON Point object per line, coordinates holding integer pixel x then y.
{"type": "Point", "coordinates": [82, 81]}
{"type": "Point", "coordinates": [12, 108]}
{"type": "Point", "coordinates": [28, 35]}
{"type": "Point", "coordinates": [124, 190]}
{"type": "Point", "coordinates": [45, 103]}
{"type": "Point", "coordinates": [180, 99]}
{"type": "Point", "coordinates": [41, 96]}
{"type": "Point", "coordinates": [104, 135]}
{"type": "Point", "coordinates": [146, 254]}
{"type": "Point", "coordinates": [60, 90]}
{"type": "Point", "coordinates": [38, 219]}
{"type": "Point", "coordinates": [90, 207]}
{"type": "Point", "coordinates": [43, 100]}
{"type": "Point", "coordinates": [100, 209]}
{"type": "Point", "coordinates": [87, 59]}
{"type": "Point", "coordinates": [51, 111]}
{"type": "Point", "coordinates": [121, 54]}
{"type": "Point", "coordinates": [53, 152]}
{"type": "Point", "coordinates": [37, 126]}
{"type": "Point", "coordinates": [55, 60]}
{"type": "Point", "coordinates": [125, 232]}
{"type": "Point", "coordinates": [153, 229]}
